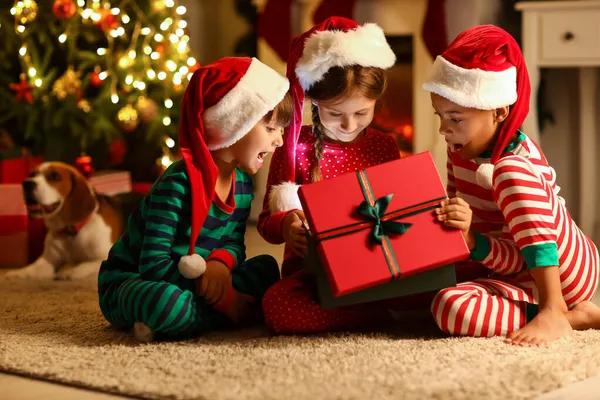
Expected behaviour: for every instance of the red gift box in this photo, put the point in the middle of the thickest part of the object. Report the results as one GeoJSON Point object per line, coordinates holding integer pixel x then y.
{"type": "Point", "coordinates": [142, 187]}
{"type": "Point", "coordinates": [15, 170]}
{"type": "Point", "coordinates": [379, 224]}
{"type": "Point", "coordinates": [21, 239]}
{"type": "Point", "coordinates": [111, 182]}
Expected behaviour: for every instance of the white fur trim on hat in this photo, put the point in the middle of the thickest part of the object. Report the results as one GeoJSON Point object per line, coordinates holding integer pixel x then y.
{"type": "Point", "coordinates": [192, 266]}
{"type": "Point", "coordinates": [365, 46]}
{"type": "Point", "coordinates": [284, 197]}
{"type": "Point", "coordinates": [484, 175]}
{"type": "Point", "coordinates": [473, 88]}
{"type": "Point", "coordinates": [258, 92]}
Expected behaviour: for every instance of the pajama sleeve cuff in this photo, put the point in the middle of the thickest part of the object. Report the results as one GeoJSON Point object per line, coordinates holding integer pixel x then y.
{"type": "Point", "coordinates": [541, 255]}
{"type": "Point", "coordinates": [482, 247]}
{"type": "Point", "coordinates": [223, 256]}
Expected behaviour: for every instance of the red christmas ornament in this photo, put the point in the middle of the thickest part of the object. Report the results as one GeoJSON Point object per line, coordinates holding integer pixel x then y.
{"type": "Point", "coordinates": [108, 21]}
{"type": "Point", "coordinates": [160, 48]}
{"type": "Point", "coordinates": [116, 152]}
{"type": "Point", "coordinates": [85, 165]}
{"type": "Point", "coordinates": [23, 89]}
{"type": "Point", "coordinates": [95, 80]}
{"type": "Point", "coordinates": [64, 9]}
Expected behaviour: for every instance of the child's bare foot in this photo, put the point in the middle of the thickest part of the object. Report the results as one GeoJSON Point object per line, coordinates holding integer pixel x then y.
{"type": "Point", "coordinates": [143, 333]}
{"type": "Point", "coordinates": [549, 325]}
{"type": "Point", "coordinates": [585, 315]}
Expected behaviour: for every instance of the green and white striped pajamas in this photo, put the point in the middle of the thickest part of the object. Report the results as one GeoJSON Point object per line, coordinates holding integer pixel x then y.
{"type": "Point", "coordinates": [140, 281]}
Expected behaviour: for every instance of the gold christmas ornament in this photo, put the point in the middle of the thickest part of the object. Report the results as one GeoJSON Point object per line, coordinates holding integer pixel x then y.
{"type": "Point", "coordinates": [84, 105]}
{"type": "Point", "coordinates": [125, 61]}
{"type": "Point", "coordinates": [69, 83]}
{"type": "Point", "coordinates": [26, 11]}
{"type": "Point", "coordinates": [147, 109]}
{"type": "Point", "coordinates": [128, 118]}
{"type": "Point", "coordinates": [158, 5]}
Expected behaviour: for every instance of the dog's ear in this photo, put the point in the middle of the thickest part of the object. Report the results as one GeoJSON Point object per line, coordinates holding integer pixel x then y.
{"type": "Point", "coordinates": [80, 202]}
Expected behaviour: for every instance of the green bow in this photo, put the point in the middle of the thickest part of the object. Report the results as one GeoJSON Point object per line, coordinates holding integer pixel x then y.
{"type": "Point", "coordinates": [376, 212]}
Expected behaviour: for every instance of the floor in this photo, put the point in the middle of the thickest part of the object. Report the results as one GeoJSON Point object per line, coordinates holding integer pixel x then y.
{"type": "Point", "coordinates": [15, 387]}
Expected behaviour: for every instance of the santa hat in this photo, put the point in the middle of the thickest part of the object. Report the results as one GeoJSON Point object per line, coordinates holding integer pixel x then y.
{"type": "Point", "coordinates": [335, 42]}
{"type": "Point", "coordinates": [483, 68]}
{"type": "Point", "coordinates": [222, 103]}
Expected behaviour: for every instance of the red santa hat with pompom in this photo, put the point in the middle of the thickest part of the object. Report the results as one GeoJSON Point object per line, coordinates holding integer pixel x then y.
{"type": "Point", "coordinates": [483, 68]}
{"type": "Point", "coordinates": [222, 103]}
{"type": "Point", "coordinates": [335, 42]}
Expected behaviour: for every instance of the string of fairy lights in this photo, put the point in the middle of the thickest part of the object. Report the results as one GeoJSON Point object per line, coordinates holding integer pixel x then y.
{"type": "Point", "coordinates": [164, 50]}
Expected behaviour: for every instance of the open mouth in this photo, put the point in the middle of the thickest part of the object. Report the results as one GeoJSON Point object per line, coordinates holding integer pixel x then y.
{"type": "Point", "coordinates": [49, 209]}
{"type": "Point", "coordinates": [456, 147]}
{"type": "Point", "coordinates": [261, 156]}
{"type": "Point", "coordinates": [37, 210]}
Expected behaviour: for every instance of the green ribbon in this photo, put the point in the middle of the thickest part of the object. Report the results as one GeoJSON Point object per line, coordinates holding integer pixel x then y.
{"type": "Point", "coordinates": [376, 212]}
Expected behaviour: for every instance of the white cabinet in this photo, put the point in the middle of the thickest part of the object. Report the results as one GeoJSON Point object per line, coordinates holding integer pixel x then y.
{"type": "Point", "coordinates": [567, 34]}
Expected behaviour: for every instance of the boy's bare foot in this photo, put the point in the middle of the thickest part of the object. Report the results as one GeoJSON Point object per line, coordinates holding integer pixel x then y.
{"type": "Point", "coordinates": [549, 325]}
{"type": "Point", "coordinates": [585, 315]}
{"type": "Point", "coordinates": [143, 333]}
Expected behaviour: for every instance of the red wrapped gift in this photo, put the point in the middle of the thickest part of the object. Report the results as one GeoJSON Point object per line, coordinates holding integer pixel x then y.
{"type": "Point", "coordinates": [111, 182]}
{"type": "Point", "coordinates": [142, 187]}
{"type": "Point", "coordinates": [379, 224]}
{"type": "Point", "coordinates": [16, 169]}
{"type": "Point", "coordinates": [21, 239]}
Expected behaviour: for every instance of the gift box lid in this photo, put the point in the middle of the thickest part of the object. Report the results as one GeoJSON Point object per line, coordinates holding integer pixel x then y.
{"type": "Point", "coordinates": [111, 182]}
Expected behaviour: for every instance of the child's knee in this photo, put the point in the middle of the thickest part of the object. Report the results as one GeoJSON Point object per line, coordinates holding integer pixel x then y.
{"type": "Point", "coordinates": [267, 264]}
{"type": "Point", "coordinates": [273, 306]}
{"type": "Point", "coordinates": [445, 304]}
{"type": "Point", "coordinates": [280, 303]}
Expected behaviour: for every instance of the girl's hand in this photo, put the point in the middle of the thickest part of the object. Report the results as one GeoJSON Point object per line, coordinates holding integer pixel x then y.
{"type": "Point", "coordinates": [456, 213]}
{"type": "Point", "coordinates": [294, 232]}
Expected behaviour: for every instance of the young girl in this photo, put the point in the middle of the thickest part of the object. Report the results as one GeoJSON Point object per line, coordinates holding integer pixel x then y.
{"type": "Point", "coordinates": [180, 268]}
{"type": "Point", "coordinates": [543, 271]}
{"type": "Point", "coordinates": [341, 67]}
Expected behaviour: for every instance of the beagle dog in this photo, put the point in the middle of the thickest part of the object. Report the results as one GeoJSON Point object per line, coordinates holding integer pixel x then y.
{"type": "Point", "coordinates": [82, 225]}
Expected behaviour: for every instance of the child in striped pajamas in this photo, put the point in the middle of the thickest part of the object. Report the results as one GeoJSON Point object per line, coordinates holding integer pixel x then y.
{"type": "Point", "coordinates": [179, 270]}
{"type": "Point", "coordinates": [543, 271]}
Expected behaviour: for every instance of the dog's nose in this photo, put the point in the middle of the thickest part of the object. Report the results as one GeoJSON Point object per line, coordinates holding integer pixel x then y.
{"type": "Point", "coordinates": [29, 186]}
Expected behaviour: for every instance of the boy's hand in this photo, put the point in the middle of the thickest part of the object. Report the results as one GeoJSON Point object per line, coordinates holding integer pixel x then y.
{"type": "Point", "coordinates": [294, 232]}
{"type": "Point", "coordinates": [456, 213]}
{"type": "Point", "coordinates": [215, 282]}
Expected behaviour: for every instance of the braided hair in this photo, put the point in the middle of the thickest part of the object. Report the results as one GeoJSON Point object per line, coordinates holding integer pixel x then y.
{"type": "Point", "coordinates": [317, 129]}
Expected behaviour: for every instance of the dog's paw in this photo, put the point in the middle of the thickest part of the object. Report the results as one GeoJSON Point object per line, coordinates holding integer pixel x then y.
{"type": "Point", "coordinates": [12, 275]}
{"type": "Point", "coordinates": [63, 276]}
{"type": "Point", "coordinates": [67, 274]}
{"type": "Point", "coordinates": [76, 272]}
{"type": "Point", "coordinates": [22, 273]}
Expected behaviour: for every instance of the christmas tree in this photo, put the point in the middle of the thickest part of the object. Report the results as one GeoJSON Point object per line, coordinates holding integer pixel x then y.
{"type": "Point", "coordinates": [96, 76]}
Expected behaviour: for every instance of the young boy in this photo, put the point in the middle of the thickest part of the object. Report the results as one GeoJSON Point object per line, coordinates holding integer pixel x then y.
{"type": "Point", "coordinates": [504, 198]}
{"type": "Point", "coordinates": [179, 270]}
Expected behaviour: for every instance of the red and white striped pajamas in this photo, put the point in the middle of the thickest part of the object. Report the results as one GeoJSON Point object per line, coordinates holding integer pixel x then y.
{"type": "Point", "coordinates": [520, 224]}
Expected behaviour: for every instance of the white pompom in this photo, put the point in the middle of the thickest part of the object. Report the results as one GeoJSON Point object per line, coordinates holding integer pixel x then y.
{"type": "Point", "coordinates": [484, 175]}
{"type": "Point", "coordinates": [192, 267]}
{"type": "Point", "coordinates": [284, 197]}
